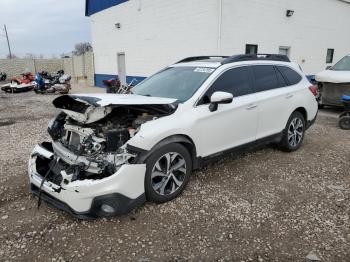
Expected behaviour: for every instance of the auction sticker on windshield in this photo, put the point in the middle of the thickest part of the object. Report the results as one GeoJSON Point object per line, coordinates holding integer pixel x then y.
{"type": "Point", "coordinates": [204, 70]}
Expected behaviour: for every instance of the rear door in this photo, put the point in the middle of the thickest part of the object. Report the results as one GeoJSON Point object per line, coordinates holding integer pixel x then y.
{"type": "Point", "coordinates": [273, 99]}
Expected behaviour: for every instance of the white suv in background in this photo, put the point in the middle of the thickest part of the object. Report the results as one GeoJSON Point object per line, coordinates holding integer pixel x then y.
{"type": "Point", "coordinates": [111, 153]}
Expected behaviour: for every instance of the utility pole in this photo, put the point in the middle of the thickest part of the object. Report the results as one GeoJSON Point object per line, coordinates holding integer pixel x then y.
{"type": "Point", "coordinates": [8, 42]}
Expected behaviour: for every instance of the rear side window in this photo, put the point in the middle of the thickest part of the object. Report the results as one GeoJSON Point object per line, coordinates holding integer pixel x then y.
{"type": "Point", "coordinates": [281, 80]}
{"type": "Point", "coordinates": [290, 75]}
{"type": "Point", "coordinates": [265, 78]}
{"type": "Point", "coordinates": [236, 81]}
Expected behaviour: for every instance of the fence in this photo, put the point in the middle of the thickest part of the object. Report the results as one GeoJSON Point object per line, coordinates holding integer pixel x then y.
{"type": "Point", "coordinates": [81, 68]}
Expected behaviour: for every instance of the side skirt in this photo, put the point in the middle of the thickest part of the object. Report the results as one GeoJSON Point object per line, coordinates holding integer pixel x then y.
{"type": "Point", "coordinates": [203, 161]}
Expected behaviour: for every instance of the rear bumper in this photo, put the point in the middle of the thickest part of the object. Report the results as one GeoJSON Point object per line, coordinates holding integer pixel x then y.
{"type": "Point", "coordinates": [331, 93]}
{"type": "Point", "coordinates": [309, 123]}
{"type": "Point", "coordinates": [84, 199]}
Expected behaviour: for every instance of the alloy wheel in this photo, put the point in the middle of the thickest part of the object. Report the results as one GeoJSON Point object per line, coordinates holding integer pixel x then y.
{"type": "Point", "coordinates": [168, 173]}
{"type": "Point", "coordinates": [295, 132]}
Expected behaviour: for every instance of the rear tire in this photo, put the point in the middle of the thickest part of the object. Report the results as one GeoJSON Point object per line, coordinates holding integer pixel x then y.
{"type": "Point", "coordinates": [344, 122]}
{"type": "Point", "coordinates": [293, 134]}
{"type": "Point", "coordinates": [320, 106]}
{"type": "Point", "coordinates": [168, 171]}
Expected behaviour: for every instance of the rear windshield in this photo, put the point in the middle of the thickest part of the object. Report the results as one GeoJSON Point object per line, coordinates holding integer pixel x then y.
{"type": "Point", "coordinates": [342, 65]}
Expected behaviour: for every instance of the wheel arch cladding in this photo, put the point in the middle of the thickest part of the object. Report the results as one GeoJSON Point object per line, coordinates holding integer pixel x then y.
{"type": "Point", "coordinates": [184, 140]}
{"type": "Point", "coordinates": [302, 111]}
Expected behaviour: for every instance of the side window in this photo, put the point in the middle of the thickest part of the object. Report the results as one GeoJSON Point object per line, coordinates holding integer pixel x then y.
{"type": "Point", "coordinates": [265, 78]}
{"type": "Point", "coordinates": [281, 80]}
{"type": "Point", "coordinates": [292, 77]}
{"type": "Point", "coordinates": [236, 81]}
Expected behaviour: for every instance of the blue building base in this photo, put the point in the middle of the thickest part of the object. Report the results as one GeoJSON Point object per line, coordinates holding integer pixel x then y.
{"type": "Point", "coordinates": [100, 77]}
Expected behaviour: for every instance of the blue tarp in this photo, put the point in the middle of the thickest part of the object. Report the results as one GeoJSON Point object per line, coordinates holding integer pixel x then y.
{"type": "Point", "coordinates": [95, 6]}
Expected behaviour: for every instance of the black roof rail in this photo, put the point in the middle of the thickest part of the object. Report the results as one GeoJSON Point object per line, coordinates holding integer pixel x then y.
{"type": "Point", "coordinates": [197, 58]}
{"type": "Point", "coordinates": [252, 57]}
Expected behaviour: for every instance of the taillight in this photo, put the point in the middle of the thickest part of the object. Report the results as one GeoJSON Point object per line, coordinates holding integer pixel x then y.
{"type": "Point", "coordinates": [313, 90]}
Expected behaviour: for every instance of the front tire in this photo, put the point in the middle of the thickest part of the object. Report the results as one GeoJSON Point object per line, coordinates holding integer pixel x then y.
{"type": "Point", "coordinates": [294, 133]}
{"type": "Point", "coordinates": [168, 171]}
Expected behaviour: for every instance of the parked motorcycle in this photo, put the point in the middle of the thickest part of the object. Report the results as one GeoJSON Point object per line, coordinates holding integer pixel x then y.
{"type": "Point", "coordinates": [49, 84]}
{"type": "Point", "coordinates": [3, 76]}
{"type": "Point", "coordinates": [17, 85]}
{"type": "Point", "coordinates": [344, 118]}
{"type": "Point", "coordinates": [52, 79]}
{"type": "Point", "coordinates": [114, 86]}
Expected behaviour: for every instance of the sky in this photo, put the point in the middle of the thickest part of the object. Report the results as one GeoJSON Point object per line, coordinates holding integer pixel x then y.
{"type": "Point", "coordinates": [43, 27]}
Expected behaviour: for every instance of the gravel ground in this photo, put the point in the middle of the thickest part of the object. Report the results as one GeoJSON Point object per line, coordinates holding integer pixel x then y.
{"type": "Point", "coordinates": [262, 206]}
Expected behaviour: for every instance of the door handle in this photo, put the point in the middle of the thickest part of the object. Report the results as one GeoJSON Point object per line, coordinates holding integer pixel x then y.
{"type": "Point", "coordinates": [252, 106]}
{"type": "Point", "coordinates": [289, 96]}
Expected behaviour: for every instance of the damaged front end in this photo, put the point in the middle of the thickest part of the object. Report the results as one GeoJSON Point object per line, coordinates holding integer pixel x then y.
{"type": "Point", "coordinates": [87, 168]}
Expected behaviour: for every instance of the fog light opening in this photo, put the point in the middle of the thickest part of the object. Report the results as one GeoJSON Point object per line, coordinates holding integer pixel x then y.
{"type": "Point", "coordinates": [107, 209]}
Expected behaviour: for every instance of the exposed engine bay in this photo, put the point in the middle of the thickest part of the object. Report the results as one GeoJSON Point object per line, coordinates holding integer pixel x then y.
{"type": "Point", "coordinates": [104, 136]}
{"type": "Point", "coordinates": [89, 141]}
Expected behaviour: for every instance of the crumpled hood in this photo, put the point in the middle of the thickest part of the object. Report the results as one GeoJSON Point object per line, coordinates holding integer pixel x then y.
{"type": "Point", "coordinates": [332, 76]}
{"type": "Point", "coordinates": [114, 99]}
{"type": "Point", "coordinates": [89, 108]}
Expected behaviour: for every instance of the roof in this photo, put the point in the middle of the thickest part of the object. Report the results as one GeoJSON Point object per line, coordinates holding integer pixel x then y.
{"type": "Point", "coordinates": [95, 6]}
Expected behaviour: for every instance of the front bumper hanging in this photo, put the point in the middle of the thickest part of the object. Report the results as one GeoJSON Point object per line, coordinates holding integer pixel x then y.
{"type": "Point", "coordinates": [90, 198]}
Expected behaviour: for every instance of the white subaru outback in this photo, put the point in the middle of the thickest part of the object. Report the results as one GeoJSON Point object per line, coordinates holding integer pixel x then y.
{"type": "Point", "coordinates": [110, 153]}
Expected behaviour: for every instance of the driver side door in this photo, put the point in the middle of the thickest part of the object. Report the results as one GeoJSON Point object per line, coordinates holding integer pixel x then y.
{"type": "Point", "coordinates": [231, 125]}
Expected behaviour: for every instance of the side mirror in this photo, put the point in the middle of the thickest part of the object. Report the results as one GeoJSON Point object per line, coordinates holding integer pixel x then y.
{"type": "Point", "coordinates": [219, 98]}
{"type": "Point", "coordinates": [328, 67]}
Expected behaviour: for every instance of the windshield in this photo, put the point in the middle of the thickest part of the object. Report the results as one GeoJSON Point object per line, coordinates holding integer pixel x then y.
{"type": "Point", "coordinates": [342, 65]}
{"type": "Point", "coordinates": [174, 82]}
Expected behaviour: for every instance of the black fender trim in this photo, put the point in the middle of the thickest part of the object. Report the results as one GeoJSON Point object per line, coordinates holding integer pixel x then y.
{"type": "Point", "coordinates": [142, 154]}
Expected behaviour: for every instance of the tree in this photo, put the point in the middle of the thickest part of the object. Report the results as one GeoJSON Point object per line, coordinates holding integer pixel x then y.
{"type": "Point", "coordinates": [33, 56]}
{"type": "Point", "coordinates": [82, 48]}
{"type": "Point", "coordinates": [30, 56]}
{"type": "Point", "coordinates": [12, 56]}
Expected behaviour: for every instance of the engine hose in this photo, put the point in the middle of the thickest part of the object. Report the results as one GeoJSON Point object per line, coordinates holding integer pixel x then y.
{"type": "Point", "coordinates": [44, 179]}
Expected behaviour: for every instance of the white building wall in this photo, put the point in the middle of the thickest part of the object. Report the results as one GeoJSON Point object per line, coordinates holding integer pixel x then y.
{"type": "Point", "coordinates": [153, 34]}
{"type": "Point", "coordinates": [156, 33]}
{"type": "Point", "coordinates": [315, 26]}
